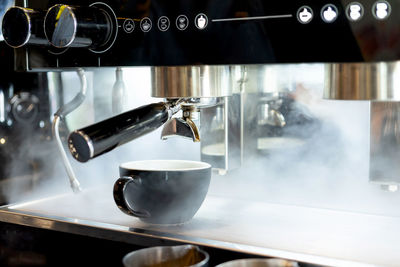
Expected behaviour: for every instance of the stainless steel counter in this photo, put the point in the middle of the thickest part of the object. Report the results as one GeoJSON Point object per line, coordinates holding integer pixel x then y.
{"type": "Point", "coordinates": [319, 236]}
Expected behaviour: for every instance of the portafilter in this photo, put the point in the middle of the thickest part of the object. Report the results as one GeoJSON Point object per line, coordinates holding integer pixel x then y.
{"type": "Point", "coordinates": [97, 139]}
{"type": "Point", "coordinates": [185, 88]}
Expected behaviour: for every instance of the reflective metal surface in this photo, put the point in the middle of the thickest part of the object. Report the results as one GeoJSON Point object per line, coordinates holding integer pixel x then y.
{"type": "Point", "coordinates": [263, 229]}
{"type": "Point", "coordinates": [269, 114]}
{"type": "Point", "coordinates": [221, 134]}
{"type": "Point", "coordinates": [385, 144]}
{"type": "Point", "coordinates": [363, 81]}
{"type": "Point", "coordinates": [380, 83]}
{"type": "Point", "coordinates": [167, 256]}
{"type": "Point", "coordinates": [259, 263]}
{"type": "Point", "coordinates": [191, 81]}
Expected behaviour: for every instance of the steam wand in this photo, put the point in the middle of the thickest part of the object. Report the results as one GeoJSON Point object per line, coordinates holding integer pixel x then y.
{"type": "Point", "coordinates": [60, 115]}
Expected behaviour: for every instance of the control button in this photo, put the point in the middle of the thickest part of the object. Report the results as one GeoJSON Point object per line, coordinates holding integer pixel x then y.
{"type": "Point", "coordinates": [305, 14]}
{"type": "Point", "coordinates": [146, 24]}
{"type": "Point", "coordinates": [163, 23]}
{"type": "Point", "coordinates": [129, 25]}
{"type": "Point", "coordinates": [354, 11]}
{"type": "Point", "coordinates": [182, 22]}
{"type": "Point", "coordinates": [73, 26]}
{"type": "Point", "coordinates": [329, 13]}
{"type": "Point", "coordinates": [201, 21]}
{"type": "Point", "coordinates": [381, 10]}
{"type": "Point", "coordinates": [20, 25]}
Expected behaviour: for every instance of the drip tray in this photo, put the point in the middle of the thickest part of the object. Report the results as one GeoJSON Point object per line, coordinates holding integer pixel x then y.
{"type": "Point", "coordinates": [318, 236]}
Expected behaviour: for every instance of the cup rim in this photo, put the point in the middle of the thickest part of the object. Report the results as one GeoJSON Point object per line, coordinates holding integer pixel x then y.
{"type": "Point", "coordinates": [159, 165]}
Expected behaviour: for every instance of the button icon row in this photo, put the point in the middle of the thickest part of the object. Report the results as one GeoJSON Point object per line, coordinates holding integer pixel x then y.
{"type": "Point", "coordinates": [354, 12]}
{"type": "Point", "coordinates": [163, 23]}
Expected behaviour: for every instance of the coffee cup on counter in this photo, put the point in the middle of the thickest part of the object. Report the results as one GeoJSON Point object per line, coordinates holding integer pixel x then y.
{"type": "Point", "coordinates": [162, 191]}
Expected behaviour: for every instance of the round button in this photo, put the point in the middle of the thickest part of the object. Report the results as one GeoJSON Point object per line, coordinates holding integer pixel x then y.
{"type": "Point", "coordinates": [329, 13]}
{"type": "Point", "coordinates": [354, 11]}
{"type": "Point", "coordinates": [16, 27]}
{"type": "Point", "coordinates": [381, 10]}
{"type": "Point", "coordinates": [182, 22]}
{"type": "Point", "coordinates": [146, 24]}
{"type": "Point", "coordinates": [73, 26]}
{"type": "Point", "coordinates": [201, 21]}
{"type": "Point", "coordinates": [61, 26]}
{"type": "Point", "coordinates": [305, 14]}
{"type": "Point", "coordinates": [129, 25]}
{"type": "Point", "coordinates": [163, 23]}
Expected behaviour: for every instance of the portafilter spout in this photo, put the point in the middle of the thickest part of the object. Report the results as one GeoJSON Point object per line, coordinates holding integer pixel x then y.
{"type": "Point", "coordinates": [185, 125]}
{"type": "Point", "coordinates": [182, 127]}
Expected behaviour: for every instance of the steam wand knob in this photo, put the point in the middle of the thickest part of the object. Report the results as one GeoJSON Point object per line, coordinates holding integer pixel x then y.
{"type": "Point", "coordinates": [71, 26]}
{"type": "Point", "coordinates": [22, 26]}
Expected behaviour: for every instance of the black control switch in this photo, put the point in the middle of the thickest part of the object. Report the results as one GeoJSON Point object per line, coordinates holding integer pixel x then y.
{"type": "Point", "coordinates": [71, 26]}
{"type": "Point", "coordinates": [22, 26]}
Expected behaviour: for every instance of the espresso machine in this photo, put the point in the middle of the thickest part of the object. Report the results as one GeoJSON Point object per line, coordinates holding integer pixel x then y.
{"type": "Point", "coordinates": [221, 75]}
{"type": "Point", "coordinates": [214, 58]}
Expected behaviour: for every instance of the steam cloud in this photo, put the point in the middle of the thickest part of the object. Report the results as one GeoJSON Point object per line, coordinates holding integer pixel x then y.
{"type": "Point", "coordinates": [332, 172]}
{"type": "Point", "coordinates": [332, 169]}
{"type": "Point", "coordinates": [102, 171]}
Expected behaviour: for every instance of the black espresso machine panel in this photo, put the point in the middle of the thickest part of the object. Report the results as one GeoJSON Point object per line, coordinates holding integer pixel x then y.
{"type": "Point", "coordinates": [63, 34]}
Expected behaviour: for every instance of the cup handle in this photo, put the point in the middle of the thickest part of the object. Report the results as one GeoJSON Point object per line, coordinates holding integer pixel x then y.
{"type": "Point", "coordinates": [119, 196]}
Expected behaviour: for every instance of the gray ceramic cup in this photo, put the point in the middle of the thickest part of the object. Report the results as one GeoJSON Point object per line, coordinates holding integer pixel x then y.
{"type": "Point", "coordinates": [162, 191]}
